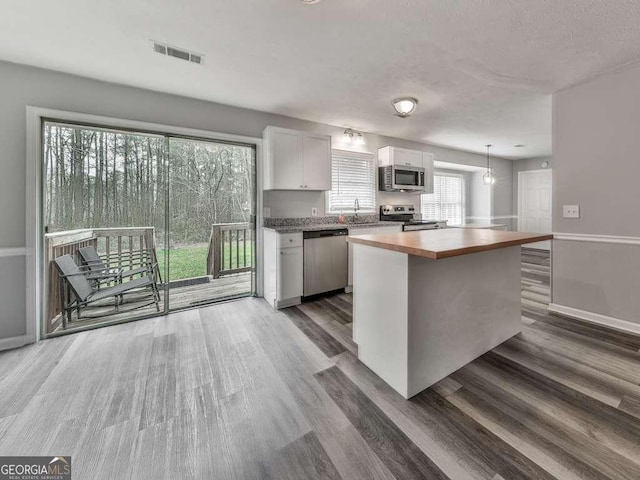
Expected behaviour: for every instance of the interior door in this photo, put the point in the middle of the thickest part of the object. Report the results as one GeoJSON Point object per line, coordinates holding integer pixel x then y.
{"type": "Point", "coordinates": [534, 212]}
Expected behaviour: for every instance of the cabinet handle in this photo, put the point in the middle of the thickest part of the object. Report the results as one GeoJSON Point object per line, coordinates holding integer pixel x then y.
{"type": "Point", "coordinates": [306, 186]}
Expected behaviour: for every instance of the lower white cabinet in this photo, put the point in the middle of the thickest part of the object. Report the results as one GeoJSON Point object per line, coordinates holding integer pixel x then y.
{"type": "Point", "coordinates": [283, 268]}
{"type": "Point", "coordinates": [366, 231]}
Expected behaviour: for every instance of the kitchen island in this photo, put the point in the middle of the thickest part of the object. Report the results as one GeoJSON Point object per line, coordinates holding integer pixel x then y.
{"type": "Point", "coordinates": [427, 303]}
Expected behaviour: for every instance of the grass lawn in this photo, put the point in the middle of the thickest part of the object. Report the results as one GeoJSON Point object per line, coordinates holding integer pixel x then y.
{"type": "Point", "coordinates": [191, 261]}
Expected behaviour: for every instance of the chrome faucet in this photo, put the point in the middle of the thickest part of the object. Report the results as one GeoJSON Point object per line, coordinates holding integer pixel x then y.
{"type": "Point", "coordinates": [356, 207]}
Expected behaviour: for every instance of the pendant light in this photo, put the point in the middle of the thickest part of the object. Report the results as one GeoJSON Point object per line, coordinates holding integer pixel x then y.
{"type": "Point", "coordinates": [488, 178]}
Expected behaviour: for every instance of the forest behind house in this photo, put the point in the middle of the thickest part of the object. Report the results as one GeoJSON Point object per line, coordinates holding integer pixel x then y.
{"type": "Point", "coordinates": [101, 178]}
{"type": "Point", "coordinates": [104, 178]}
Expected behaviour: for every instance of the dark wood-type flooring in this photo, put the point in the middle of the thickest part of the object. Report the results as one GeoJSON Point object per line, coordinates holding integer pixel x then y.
{"type": "Point", "coordinates": [239, 391]}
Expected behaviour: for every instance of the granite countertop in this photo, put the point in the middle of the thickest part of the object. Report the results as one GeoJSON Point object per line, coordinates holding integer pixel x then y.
{"type": "Point", "coordinates": [330, 226]}
{"type": "Point", "coordinates": [447, 242]}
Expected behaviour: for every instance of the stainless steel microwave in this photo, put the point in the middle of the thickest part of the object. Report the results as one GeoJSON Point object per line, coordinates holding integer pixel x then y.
{"type": "Point", "coordinates": [396, 178]}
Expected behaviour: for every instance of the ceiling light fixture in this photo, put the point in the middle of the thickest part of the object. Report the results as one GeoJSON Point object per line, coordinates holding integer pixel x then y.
{"type": "Point", "coordinates": [310, 2]}
{"type": "Point", "coordinates": [352, 137]}
{"type": "Point", "coordinates": [488, 178]}
{"type": "Point", "coordinates": [404, 106]}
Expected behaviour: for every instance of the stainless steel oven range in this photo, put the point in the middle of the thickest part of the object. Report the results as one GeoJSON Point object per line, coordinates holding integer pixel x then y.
{"type": "Point", "coordinates": [406, 214]}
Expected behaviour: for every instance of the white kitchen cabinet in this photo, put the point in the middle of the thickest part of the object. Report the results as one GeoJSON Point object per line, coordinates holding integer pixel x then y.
{"type": "Point", "coordinates": [427, 163]}
{"type": "Point", "coordinates": [400, 157]}
{"type": "Point", "coordinates": [296, 160]}
{"type": "Point", "coordinates": [316, 162]}
{"type": "Point", "coordinates": [366, 231]}
{"type": "Point", "coordinates": [412, 158]}
{"type": "Point", "coordinates": [283, 268]}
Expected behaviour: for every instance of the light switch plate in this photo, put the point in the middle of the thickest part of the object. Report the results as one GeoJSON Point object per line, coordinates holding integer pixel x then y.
{"type": "Point", "coordinates": [266, 212]}
{"type": "Point", "coordinates": [314, 212]}
{"type": "Point", "coordinates": [571, 211]}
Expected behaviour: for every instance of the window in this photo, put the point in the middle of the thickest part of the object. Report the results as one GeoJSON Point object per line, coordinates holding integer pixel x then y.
{"type": "Point", "coordinates": [353, 175]}
{"type": "Point", "coordinates": [447, 200]}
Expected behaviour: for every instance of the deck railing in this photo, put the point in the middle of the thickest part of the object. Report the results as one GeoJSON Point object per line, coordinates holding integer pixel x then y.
{"type": "Point", "coordinates": [230, 249]}
{"type": "Point", "coordinates": [125, 242]}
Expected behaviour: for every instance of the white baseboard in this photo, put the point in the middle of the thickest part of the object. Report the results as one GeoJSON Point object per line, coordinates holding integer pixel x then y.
{"type": "Point", "coordinates": [597, 318]}
{"type": "Point", "coordinates": [13, 342]}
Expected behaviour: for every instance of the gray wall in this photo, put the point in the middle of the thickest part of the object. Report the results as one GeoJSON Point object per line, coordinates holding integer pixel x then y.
{"type": "Point", "coordinates": [480, 208]}
{"type": "Point", "coordinates": [21, 86]}
{"type": "Point", "coordinates": [596, 165]}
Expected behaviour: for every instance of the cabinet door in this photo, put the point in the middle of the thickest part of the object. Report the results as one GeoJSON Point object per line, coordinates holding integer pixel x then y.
{"type": "Point", "coordinates": [285, 160]}
{"type": "Point", "coordinates": [427, 163]}
{"type": "Point", "coordinates": [316, 155]}
{"type": "Point", "coordinates": [410, 158]}
{"type": "Point", "coordinates": [290, 273]}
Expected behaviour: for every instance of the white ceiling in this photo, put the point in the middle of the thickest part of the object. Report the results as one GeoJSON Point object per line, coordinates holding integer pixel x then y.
{"type": "Point", "coordinates": [482, 70]}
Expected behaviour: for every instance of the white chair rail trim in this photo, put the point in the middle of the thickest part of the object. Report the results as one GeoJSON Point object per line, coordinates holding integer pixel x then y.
{"type": "Point", "coordinates": [582, 237]}
{"type": "Point", "coordinates": [12, 252]}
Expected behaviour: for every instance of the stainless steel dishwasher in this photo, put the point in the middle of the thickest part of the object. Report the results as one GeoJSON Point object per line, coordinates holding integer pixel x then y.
{"type": "Point", "coordinates": [326, 261]}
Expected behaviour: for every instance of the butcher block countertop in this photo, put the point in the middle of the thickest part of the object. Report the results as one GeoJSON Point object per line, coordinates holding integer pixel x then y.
{"type": "Point", "coordinates": [450, 242]}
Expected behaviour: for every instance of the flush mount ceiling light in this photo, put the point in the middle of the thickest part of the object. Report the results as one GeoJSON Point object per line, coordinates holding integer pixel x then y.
{"type": "Point", "coordinates": [404, 106]}
{"type": "Point", "coordinates": [488, 178]}
{"type": "Point", "coordinates": [310, 2]}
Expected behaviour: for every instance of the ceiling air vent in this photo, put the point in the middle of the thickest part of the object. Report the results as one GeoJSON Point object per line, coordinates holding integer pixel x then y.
{"type": "Point", "coordinates": [180, 53]}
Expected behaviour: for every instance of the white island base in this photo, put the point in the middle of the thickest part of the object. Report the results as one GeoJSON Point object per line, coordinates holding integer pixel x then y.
{"type": "Point", "coordinates": [417, 320]}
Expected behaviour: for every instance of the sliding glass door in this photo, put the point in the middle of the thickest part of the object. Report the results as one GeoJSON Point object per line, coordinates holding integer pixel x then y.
{"type": "Point", "coordinates": [138, 224]}
{"type": "Point", "coordinates": [211, 218]}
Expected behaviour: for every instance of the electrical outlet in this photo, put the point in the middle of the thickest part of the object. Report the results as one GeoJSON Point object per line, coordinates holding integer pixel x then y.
{"type": "Point", "coordinates": [571, 211]}
{"type": "Point", "coordinates": [314, 212]}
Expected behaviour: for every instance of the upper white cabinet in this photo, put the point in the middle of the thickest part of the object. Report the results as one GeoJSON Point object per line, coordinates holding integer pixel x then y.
{"type": "Point", "coordinates": [403, 157]}
{"type": "Point", "coordinates": [427, 163]}
{"type": "Point", "coordinates": [296, 160]}
{"type": "Point", "coordinates": [400, 157]}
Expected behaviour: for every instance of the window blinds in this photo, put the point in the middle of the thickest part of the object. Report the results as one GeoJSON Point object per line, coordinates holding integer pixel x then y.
{"type": "Point", "coordinates": [447, 200]}
{"type": "Point", "coordinates": [353, 175]}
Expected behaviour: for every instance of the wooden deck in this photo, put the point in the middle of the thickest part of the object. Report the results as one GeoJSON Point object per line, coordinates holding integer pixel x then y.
{"type": "Point", "coordinates": [191, 296]}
